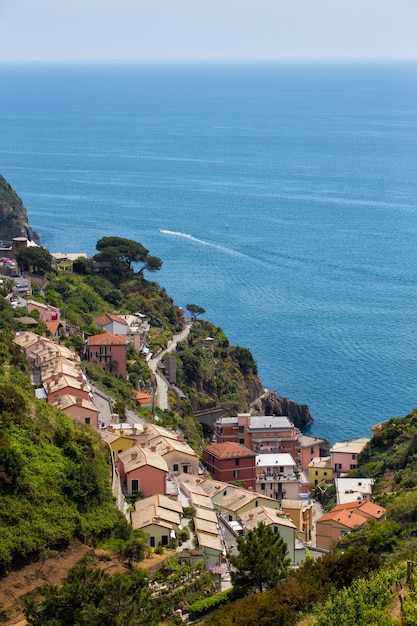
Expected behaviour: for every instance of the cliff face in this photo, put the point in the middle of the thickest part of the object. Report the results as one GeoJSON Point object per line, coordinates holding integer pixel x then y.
{"type": "Point", "coordinates": [13, 215]}
{"type": "Point", "coordinates": [269, 403]}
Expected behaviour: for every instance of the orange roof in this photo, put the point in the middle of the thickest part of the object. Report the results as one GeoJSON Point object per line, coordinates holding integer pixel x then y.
{"type": "Point", "coordinates": [142, 398]}
{"type": "Point", "coordinates": [52, 326]}
{"type": "Point", "coordinates": [107, 339]}
{"type": "Point", "coordinates": [109, 317]}
{"type": "Point", "coordinates": [347, 518]}
{"type": "Point", "coordinates": [371, 509]}
{"type": "Point", "coordinates": [228, 450]}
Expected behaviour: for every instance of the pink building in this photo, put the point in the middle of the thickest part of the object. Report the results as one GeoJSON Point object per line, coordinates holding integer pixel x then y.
{"type": "Point", "coordinates": [108, 351]}
{"type": "Point", "coordinates": [310, 448]}
{"type": "Point", "coordinates": [344, 455]}
{"type": "Point", "coordinates": [142, 471]}
{"type": "Point", "coordinates": [81, 411]}
{"type": "Point", "coordinates": [260, 433]}
{"type": "Point", "coordinates": [230, 461]}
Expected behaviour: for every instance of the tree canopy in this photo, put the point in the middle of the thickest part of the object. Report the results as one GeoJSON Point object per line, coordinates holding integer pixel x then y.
{"type": "Point", "coordinates": [195, 310]}
{"type": "Point", "coordinates": [34, 257]}
{"type": "Point", "coordinates": [262, 560]}
{"type": "Point", "coordinates": [121, 253]}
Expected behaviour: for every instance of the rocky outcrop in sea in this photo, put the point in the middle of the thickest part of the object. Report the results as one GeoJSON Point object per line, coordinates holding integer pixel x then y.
{"type": "Point", "coordinates": [270, 403]}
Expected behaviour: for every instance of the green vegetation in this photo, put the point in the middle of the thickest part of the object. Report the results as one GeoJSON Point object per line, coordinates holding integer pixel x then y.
{"type": "Point", "coordinates": [220, 374]}
{"type": "Point", "coordinates": [121, 253]}
{"type": "Point", "coordinates": [54, 475]}
{"type": "Point", "coordinates": [262, 559]}
{"type": "Point", "coordinates": [35, 259]}
{"type": "Point", "coordinates": [91, 597]}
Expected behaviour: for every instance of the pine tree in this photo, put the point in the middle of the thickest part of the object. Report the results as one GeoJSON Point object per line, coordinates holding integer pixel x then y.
{"type": "Point", "coordinates": [262, 560]}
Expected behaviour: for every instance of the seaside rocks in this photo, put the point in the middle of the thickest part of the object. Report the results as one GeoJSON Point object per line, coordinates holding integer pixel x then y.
{"type": "Point", "coordinates": [269, 403]}
{"type": "Point", "coordinates": [13, 215]}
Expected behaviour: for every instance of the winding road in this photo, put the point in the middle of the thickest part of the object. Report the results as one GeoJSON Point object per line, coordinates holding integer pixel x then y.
{"type": "Point", "coordinates": [161, 396]}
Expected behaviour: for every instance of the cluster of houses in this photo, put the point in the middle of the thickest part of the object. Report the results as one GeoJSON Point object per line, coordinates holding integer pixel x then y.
{"type": "Point", "coordinates": [260, 468]}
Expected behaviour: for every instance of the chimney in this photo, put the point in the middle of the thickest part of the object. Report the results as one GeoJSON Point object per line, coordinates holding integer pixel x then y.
{"type": "Point", "coordinates": [143, 444]}
{"type": "Point", "coordinates": [153, 448]}
{"type": "Point", "coordinates": [78, 401]}
{"type": "Point", "coordinates": [133, 455]}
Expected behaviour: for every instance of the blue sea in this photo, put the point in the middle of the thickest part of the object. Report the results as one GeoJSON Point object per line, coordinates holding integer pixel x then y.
{"type": "Point", "coordinates": [287, 193]}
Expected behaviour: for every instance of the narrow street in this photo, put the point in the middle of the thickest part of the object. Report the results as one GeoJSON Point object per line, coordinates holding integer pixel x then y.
{"type": "Point", "coordinates": [162, 387]}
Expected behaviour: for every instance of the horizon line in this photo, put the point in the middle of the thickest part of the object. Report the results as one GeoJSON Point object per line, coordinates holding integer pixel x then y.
{"type": "Point", "coordinates": [188, 60]}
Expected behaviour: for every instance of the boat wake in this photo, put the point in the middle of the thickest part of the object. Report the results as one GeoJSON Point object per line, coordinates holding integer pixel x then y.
{"type": "Point", "coordinates": [202, 242]}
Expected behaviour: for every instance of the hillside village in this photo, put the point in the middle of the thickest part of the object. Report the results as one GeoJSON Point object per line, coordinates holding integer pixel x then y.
{"type": "Point", "coordinates": [257, 468]}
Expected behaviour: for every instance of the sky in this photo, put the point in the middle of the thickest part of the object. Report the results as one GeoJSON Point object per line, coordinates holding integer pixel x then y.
{"type": "Point", "coordinates": [206, 29]}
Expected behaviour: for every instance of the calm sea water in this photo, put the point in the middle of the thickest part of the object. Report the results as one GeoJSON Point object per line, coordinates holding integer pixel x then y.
{"type": "Point", "coordinates": [312, 168]}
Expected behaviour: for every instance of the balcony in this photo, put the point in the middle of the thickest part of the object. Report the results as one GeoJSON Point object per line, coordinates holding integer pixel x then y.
{"type": "Point", "coordinates": [276, 477]}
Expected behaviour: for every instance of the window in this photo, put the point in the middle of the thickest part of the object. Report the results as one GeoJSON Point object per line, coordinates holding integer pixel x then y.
{"type": "Point", "coordinates": [175, 467]}
{"type": "Point", "coordinates": [352, 465]}
{"type": "Point", "coordinates": [164, 540]}
{"type": "Point", "coordinates": [311, 450]}
{"type": "Point", "coordinates": [87, 420]}
{"type": "Point", "coordinates": [152, 542]}
{"type": "Point", "coordinates": [242, 442]}
{"type": "Point", "coordinates": [317, 473]}
{"type": "Point", "coordinates": [241, 429]}
{"type": "Point", "coordinates": [135, 485]}
{"type": "Point", "coordinates": [342, 533]}
{"type": "Point", "coordinates": [353, 457]}
{"type": "Point", "coordinates": [237, 461]}
{"type": "Point", "coordinates": [338, 467]}
{"type": "Point", "coordinates": [324, 473]}
{"type": "Point", "coordinates": [102, 359]}
{"type": "Point", "coordinates": [236, 474]}
{"type": "Point", "coordinates": [103, 349]}
{"type": "Point", "coordinates": [230, 518]}
{"type": "Point", "coordinates": [263, 486]}
{"type": "Point", "coordinates": [281, 470]}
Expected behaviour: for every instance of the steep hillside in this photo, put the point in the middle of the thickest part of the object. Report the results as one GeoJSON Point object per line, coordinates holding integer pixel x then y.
{"type": "Point", "coordinates": [13, 215]}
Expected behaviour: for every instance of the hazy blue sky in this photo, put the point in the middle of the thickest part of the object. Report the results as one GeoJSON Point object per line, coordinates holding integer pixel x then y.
{"type": "Point", "coordinates": [207, 29]}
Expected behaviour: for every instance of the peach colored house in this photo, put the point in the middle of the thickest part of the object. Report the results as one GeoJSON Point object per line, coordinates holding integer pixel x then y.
{"type": "Point", "coordinates": [80, 410]}
{"type": "Point", "coordinates": [159, 517]}
{"type": "Point", "coordinates": [343, 519]}
{"type": "Point", "coordinates": [47, 313]}
{"type": "Point", "coordinates": [108, 351]}
{"type": "Point", "coordinates": [310, 448]}
{"type": "Point", "coordinates": [344, 455]}
{"type": "Point", "coordinates": [63, 385]}
{"type": "Point", "coordinates": [142, 471]}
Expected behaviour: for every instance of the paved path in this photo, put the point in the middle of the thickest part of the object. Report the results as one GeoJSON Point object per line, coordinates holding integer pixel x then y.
{"type": "Point", "coordinates": [162, 387]}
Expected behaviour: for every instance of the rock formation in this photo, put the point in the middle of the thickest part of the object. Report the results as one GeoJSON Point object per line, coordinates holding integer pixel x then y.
{"type": "Point", "coordinates": [13, 215]}
{"type": "Point", "coordinates": [269, 403]}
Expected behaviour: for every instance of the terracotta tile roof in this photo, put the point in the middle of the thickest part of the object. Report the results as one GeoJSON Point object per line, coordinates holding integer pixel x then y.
{"type": "Point", "coordinates": [107, 339]}
{"type": "Point", "coordinates": [52, 326]}
{"type": "Point", "coordinates": [109, 317]}
{"type": "Point", "coordinates": [228, 450]}
{"type": "Point", "coordinates": [345, 516]}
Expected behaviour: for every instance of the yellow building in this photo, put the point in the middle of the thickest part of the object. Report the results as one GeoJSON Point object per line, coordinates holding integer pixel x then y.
{"type": "Point", "coordinates": [320, 471]}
